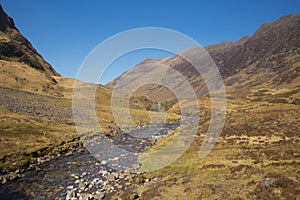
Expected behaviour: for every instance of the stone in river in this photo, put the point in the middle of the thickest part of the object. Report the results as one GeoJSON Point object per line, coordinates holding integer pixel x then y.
{"type": "Point", "coordinates": [80, 150]}
{"type": "Point", "coordinates": [82, 185]}
{"type": "Point", "coordinates": [4, 180]}
{"type": "Point", "coordinates": [116, 158]}
{"type": "Point", "coordinates": [70, 195]}
{"type": "Point", "coordinates": [74, 176]}
{"type": "Point", "coordinates": [83, 174]}
{"type": "Point", "coordinates": [110, 177]}
{"type": "Point", "coordinates": [104, 172]}
{"type": "Point", "coordinates": [127, 183]}
{"type": "Point", "coordinates": [70, 153]}
{"type": "Point", "coordinates": [99, 195]}
{"type": "Point", "coordinates": [103, 162]}
{"type": "Point", "coordinates": [70, 187]}
{"type": "Point", "coordinates": [83, 196]}
{"type": "Point", "coordinates": [120, 187]}
{"type": "Point", "coordinates": [77, 181]}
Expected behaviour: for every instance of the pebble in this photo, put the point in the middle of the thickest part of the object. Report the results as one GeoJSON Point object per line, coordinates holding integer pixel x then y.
{"type": "Point", "coordinates": [82, 185]}
{"type": "Point", "coordinates": [77, 181]}
{"type": "Point", "coordinates": [110, 177]}
{"type": "Point", "coordinates": [70, 195]}
{"type": "Point", "coordinates": [99, 195]}
{"type": "Point", "coordinates": [70, 187]}
{"type": "Point", "coordinates": [103, 162]}
{"type": "Point", "coordinates": [83, 174]}
{"type": "Point", "coordinates": [70, 153]}
{"type": "Point", "coordinates": [83, 196]}
{"type": "Point", "coordinates": [127, 183]}
{"type": "Point", "coordinates": [80, 150]}
{"type": "Point", "coordinates": [74, 176]}
{"type": "Point", "coordinates": [4, 180]}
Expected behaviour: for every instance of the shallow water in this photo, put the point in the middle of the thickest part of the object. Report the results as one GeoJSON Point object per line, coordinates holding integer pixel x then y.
{"type": "Point", "coordinates": [52, 178]}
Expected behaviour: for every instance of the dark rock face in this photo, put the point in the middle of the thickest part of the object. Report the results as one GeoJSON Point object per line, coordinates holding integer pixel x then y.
{"type": "Point", "coordinates": [271, 42]}
{"type": "Point", "coordinates": [5, 21]}
{"type": "Point", "coordinates": [14, 47]}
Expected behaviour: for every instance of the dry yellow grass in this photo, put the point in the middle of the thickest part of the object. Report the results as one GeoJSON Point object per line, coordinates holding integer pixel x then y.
{"type": "Point", "coordinates": [259, 142]}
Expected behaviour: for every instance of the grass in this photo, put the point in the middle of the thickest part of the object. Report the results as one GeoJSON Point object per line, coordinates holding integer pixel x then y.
{"type": "Point", "coordinates": [259, 143]}
{"type": "Point", "coordinates": [24, 139]}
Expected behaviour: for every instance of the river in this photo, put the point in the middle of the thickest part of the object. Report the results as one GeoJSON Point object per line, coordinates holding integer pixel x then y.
{"type": "Point", "coordinates": [80, 174]}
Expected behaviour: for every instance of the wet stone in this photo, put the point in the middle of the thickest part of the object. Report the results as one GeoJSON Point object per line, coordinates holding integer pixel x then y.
{"type": "Point", "coordinates": [70, 187]}
{"type": "Point", "coordinates": [70, 195]}
{"type": "Point", "coordinates": [110, 177]}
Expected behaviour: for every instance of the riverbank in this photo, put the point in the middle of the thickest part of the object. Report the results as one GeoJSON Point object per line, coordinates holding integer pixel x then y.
{"type": "Point", "coordinates": [77, 174]}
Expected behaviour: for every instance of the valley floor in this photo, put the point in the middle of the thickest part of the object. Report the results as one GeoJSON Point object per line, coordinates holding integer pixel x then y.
{"type": "Point", "coordinates": [257, 157]}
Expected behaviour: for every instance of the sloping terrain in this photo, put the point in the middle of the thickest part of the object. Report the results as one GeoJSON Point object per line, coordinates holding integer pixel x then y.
{"type": "Point", "coordinates": [14, 47]}
{"type": "Point", "coordinates": [256, 157]}
{"type": "Point", "coordinates": [270, 58]}
{"type": "Point", "coordinates": [257, 154]}
{"type": "Point", "coordinates": [36, 105]}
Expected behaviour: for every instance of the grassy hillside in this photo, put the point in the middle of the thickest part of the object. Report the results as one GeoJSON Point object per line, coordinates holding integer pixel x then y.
{"type": "Point", "coordinates": [256, 157]}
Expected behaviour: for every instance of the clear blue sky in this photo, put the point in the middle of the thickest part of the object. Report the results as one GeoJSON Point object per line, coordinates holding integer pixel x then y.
{"type": "Point", "coordinates": [65, 31]}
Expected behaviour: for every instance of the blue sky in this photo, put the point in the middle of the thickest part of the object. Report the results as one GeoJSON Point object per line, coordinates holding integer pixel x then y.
{"type": "Point", "coordinates": [64, 32]}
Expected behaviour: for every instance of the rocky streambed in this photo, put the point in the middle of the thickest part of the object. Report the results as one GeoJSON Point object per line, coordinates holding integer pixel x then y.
{"type": "Point", "coordinates": [79, 175]}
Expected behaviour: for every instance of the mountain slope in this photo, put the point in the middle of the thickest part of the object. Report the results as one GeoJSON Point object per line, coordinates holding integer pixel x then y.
{"type": "Point", "coordinates": [21, 66]}
{"type": "Point", "coordinates": [15, 47]}
{"type": "Point", "coordinates": [270, 58]}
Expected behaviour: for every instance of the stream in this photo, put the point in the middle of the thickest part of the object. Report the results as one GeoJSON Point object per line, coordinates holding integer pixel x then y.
{"type": "Point", "coordinates": [80, 175]}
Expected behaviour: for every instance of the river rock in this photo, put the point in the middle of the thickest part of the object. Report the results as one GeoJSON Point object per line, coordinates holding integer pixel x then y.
{"type": "Point", "coordinates": [70, 153]}
{"type": "Point", "coordinates": [99, 195]}
{"type": "Point", "coordinates": [75, 176]}
{"type": "Point", "coordinates": [70, 195]}
{"type": "Point", "coordinates": [83, 196]}
{"type": "Point", "coordinates": [82, 185]}
{"type": "Point", "coordinates": [103, 162]}
{"type": "Point", "coordinates": [110, 177]}
{"type": "Point", "coordinates": [70, 187]}
{"type": "Point", "coordinates": [127, 183]}
{"type": "Point", "coordinates": [3, 180]}
{"type": "Point", "coordinates": [80, 150]}
{"type": "Point", "coordinates": [83, 174]}
{"type": "Point", "coordinates": [77, 181]}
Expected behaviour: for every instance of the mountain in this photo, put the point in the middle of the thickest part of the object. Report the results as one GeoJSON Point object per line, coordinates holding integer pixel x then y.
{"type": "Point", "coordinates": [21, 66]}
{"type": "Point", "coordinates": [15, 47]}
{"type": "Point", "coordinates": [268, 59]}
